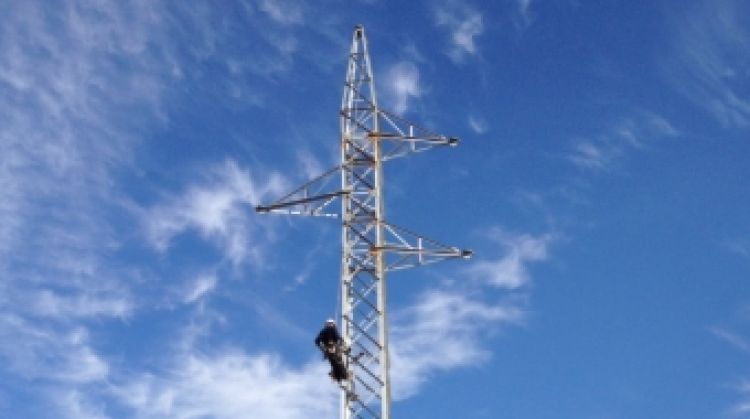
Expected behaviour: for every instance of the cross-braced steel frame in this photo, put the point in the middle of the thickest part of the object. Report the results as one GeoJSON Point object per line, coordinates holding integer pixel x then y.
{"type": "Point", "coordinates": [371, 246]}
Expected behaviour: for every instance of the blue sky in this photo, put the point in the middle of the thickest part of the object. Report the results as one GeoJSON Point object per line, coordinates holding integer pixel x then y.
{"type": "Point", "coordinates": [601, 181]}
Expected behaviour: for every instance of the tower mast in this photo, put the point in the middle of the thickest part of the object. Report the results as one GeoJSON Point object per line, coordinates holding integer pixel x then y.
{"type": "Point", "coordinates": [371, 246]}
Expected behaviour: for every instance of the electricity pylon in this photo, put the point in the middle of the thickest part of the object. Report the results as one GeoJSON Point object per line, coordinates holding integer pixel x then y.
{"type": "Point", "coordinates": [371, 245]}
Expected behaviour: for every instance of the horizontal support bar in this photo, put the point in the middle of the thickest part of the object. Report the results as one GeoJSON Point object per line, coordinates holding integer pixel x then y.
{"type": "Point", "coordinates": [268, 208]}
{"type": "Point", "coordinates": [404, 250]}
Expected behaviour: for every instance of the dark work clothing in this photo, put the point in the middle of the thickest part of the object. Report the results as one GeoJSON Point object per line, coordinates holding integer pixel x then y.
{"type": "Point", "coordinates": [338, 369]}
{"type": "Point", "coordinates": [329, 341]}
{"type": "Point", "coordinates": [329, 335]}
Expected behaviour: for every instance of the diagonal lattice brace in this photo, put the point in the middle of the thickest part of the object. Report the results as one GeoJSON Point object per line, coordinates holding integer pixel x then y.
{"type": "Point", "coordinates": [311, 199]}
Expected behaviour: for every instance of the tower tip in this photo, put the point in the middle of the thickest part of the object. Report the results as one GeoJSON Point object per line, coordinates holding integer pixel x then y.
{"type": "Point", "coordinates": [359, 30]}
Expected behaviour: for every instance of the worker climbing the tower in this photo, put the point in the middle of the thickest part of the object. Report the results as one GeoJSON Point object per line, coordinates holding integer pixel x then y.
{"type": "Point", "coordinates": [330, 343]}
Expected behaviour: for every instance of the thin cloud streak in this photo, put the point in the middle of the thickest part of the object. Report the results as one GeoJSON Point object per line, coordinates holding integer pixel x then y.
{"type": "Point", "coordinates": [510, 270]}
{"type": "Point", "coordinates": [66, 109]}
{"type": "Point", "coordinates": [78, 85]}
{"type": "Point", "coordinates": [447, 327]}
{"type": "Point", "coordinates": [603, 152]}
{"type": "Point", "coordinates": [60, 356]}
{"type": "Point", "coordinates": [231, 384]}
{"type": "Point", "coordinates": [286, 12]}
{"type": "Point", "coordinates": [732, 338]}
{"type": "Point", "coordinates": [444, 330]}
{"type": "Point", "coordinates": [217, 208]}
{"type": "Point", "coordinates": [525, 16]}
{"type": "Point", "coordinates": [478, 124]}
{"type": "Point", "coordinates": [742, 407]}
{"type": "Point", "coordinates": [402, 84]}
{"type": "Point", "coordinates": [739, 247]}
{"type": "Point", "coordinates": [708, 59]}
{"type": "Point", "coordinates": [75, 404]}
{"type": "Point", "coordinates": [464, 24]}
{"type": "Point", "coordinates": [201, 287]}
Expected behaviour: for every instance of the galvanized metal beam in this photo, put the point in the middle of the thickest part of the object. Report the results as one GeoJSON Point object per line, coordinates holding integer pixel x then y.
{"type": "Point", "coordinates": [370, 245]}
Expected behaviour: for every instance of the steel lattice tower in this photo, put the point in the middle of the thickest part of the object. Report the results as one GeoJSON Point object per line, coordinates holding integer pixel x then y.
{"type": "Point", "coordinates": [371, 246]}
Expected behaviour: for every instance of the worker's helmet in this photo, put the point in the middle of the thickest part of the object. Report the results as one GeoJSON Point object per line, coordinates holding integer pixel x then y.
{"type": "Point", "coordinates": [330, 322]}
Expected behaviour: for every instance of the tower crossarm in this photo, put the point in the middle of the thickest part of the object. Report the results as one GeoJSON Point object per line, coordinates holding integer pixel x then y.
{"type": "Point", "coordinates": [398, 136]}
{"type": "Point", "coordinates": [406, 249]}
{"type": "Point", "coordinates": [312, 199]}
{"type": "Point", "coordinates": [401, 137]}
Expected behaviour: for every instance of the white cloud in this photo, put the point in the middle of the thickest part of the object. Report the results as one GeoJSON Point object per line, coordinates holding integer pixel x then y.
{"type": "Point", "coordinates": [523, 10]}
{"type": "Point", "coordinates": [79, 84]}
{"type": "Point", "coordinates": [637, 132]}
{"type": "Point", "coordinates": [659, 126]}
{"type": "Point", "coordinates": [60, 133]}
{"type": "Point", "coordinates": [510, 269]}
{"type": "Point", "coordinates": [50, 353]}
{"type": "Point", "coordinates": [743, 388]}
{"type": "Point", "coordinates": [75, 404]}
{"type": "Point", "coordinates": [478, 124]}
{"type": "Point", "coordinates": [83, 366]}
{"type": "Point", "coordinates": [447, 327]}
{"type": "Point", "coordinates": [442, 331]}
{"type": "Point", "coordinates": [286, 12]}
{"type": "Point", "coordinates": [67, 112]}
{"type": "Point", "coordinates": [232, 384]}
{"type": "Point", "coordinates": [81, 305]}
{"type": "Point", "coordinates": [524, 7]}
{"type": "Point", "coordinates": [589, 155]}
{"type": "Point", "coordinates": [218, 208]}
{"type": "Point", "coordinates": [464, 24]}
{"type": "Point", "coordinates": [402, 84]}
{"type": "Point", "coordinates": [734, 339]}
{"type": "Point", "coordinates": [739, 246]}
{"type": "Point", "coordinates": [200, 287]}
{"type": "Point", "coordinates": [743, 407]}
{"type": "Point", "coordinates": [708, 59]}
{"type": "Point", "coordinates": [311, 167]}
{"type": "Point", "coordinates": [741, 343]}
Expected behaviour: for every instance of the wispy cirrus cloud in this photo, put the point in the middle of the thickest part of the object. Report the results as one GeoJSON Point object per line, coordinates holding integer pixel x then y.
{"type": "Point", "coordinates": [402, 85]}
{"type": "Point", "coordinates": [79, 85]}
{"type": "Point", "coordinates": [732, 338]}
{"type": "Point", "coordinates": [743, 407]}
{"type": "Point", "coordinates": [464, 23]}
{"type": "Point", "coordinates": [82, 88]}
{"type": "Point", "coordinates": [231, 384]}
{"type": "Point", "coordinates": [41, 353]}
{"type": "Point", "coordinates": [602, 152]}
{"type": "Point", "coordinates": [73, 403]}
{"type": "Point", "coordinates": [67, 106]}
{"type": "Point", "coordinates": [709, 58]}
{"type": "Point", "coordinates": [517, 251]}
{"type": "Point", "coordinates": [738, 246]}
{"type": "Point", "coordinates": [524, 15]}
{"type": "Point", "coordinates": [217, 207]}
{"type": "Point", "coordinates": [478, 124]}
{"type": "Point", "coordinates": [447, 327]}
{"type": "Point", "coordinates": [285, 12]}
{"type": "Point", "coordinates": [442, 331]}
{"type": "Point", "coordinates": [311, 166]}
{"type": "Point", "coordinates": [201, 287]}
{"type": "Point", "coordinates": [739, 341]}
